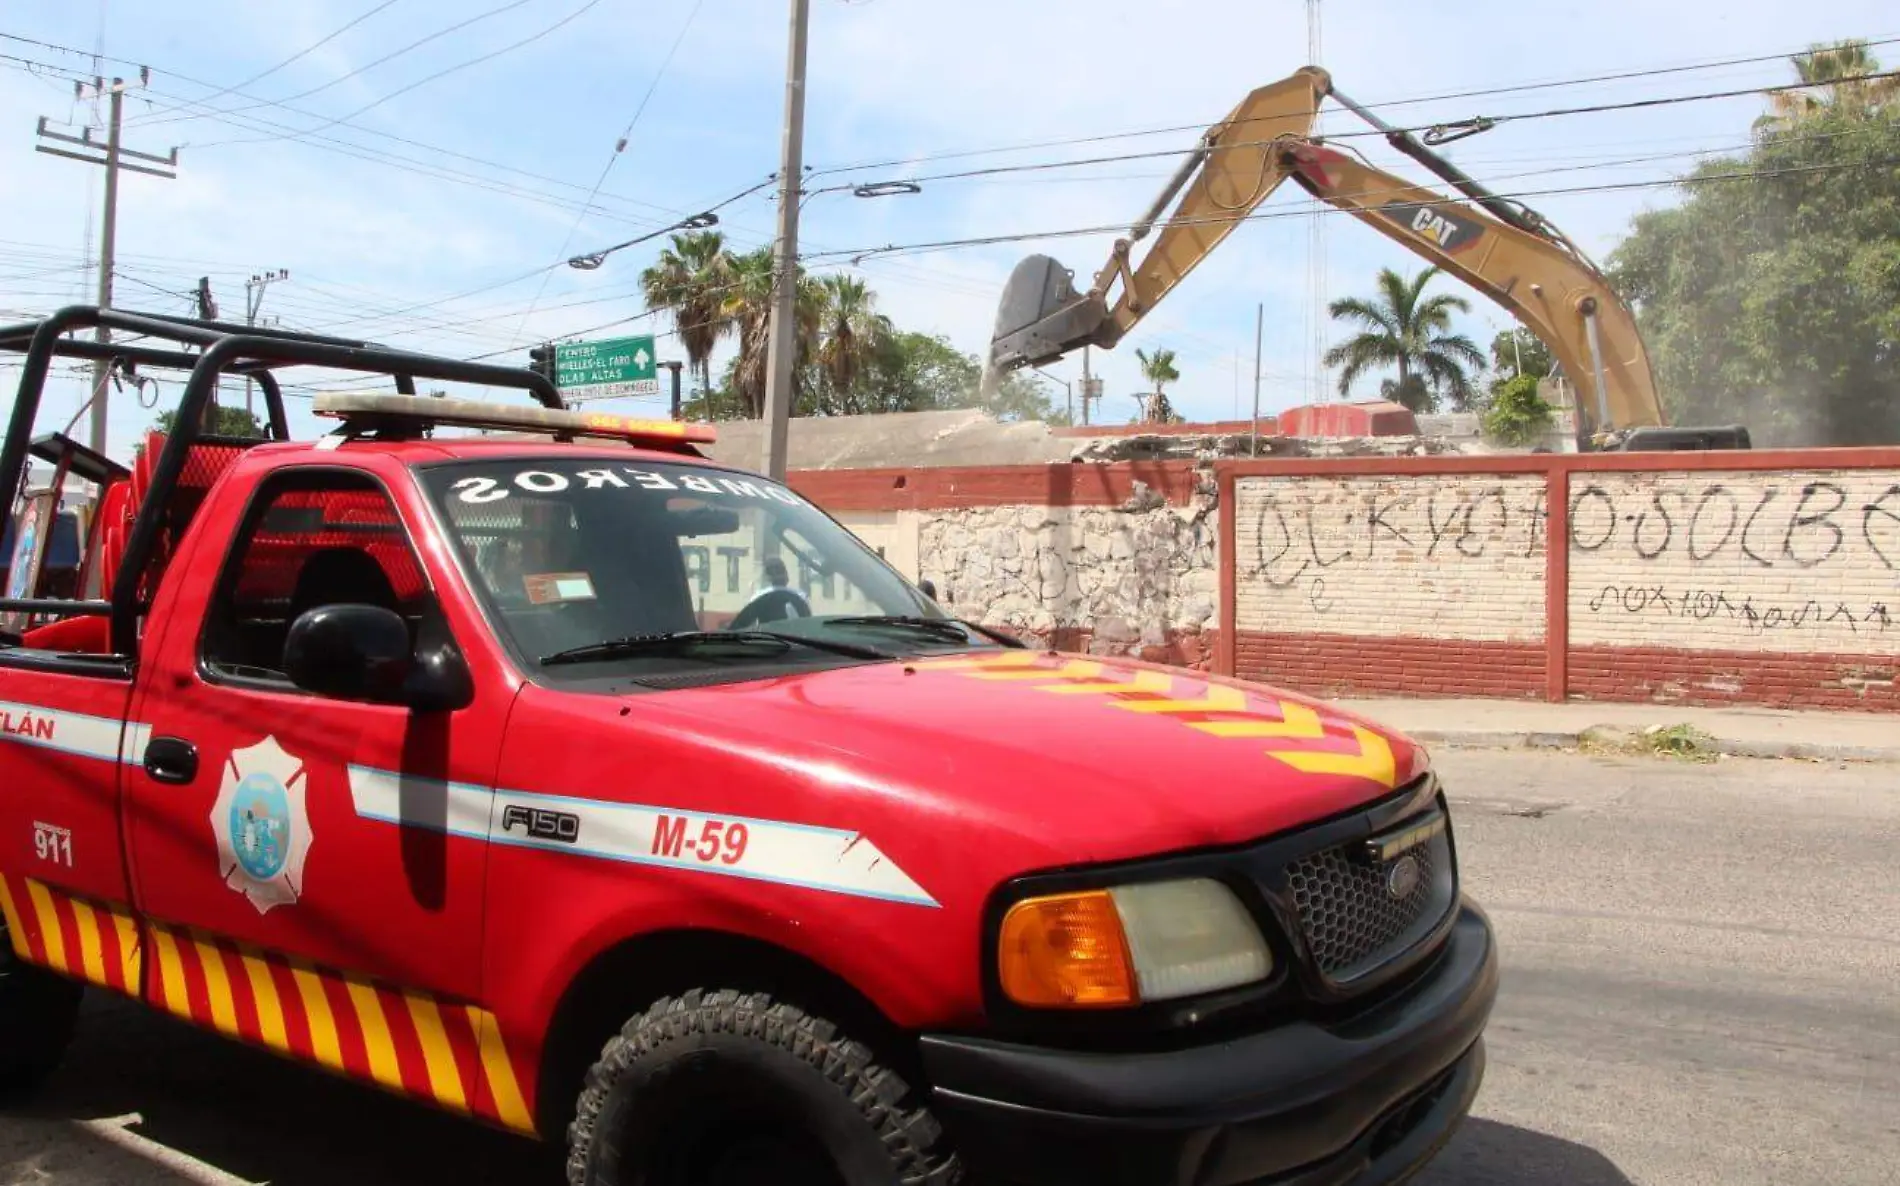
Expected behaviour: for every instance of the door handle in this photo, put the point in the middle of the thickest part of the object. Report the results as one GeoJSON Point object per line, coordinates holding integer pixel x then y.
{"type": "Point", "coordinates": [171, 760]}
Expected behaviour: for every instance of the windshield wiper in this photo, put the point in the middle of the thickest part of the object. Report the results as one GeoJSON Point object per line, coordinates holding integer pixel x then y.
{"type": "Point", "coordinates": [676, 641]}
{"type": "Point", "coordinates": [950, 629]}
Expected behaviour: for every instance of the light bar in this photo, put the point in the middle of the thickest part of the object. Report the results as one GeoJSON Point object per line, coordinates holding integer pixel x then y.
{"type": "Point", "coordinates": [469, 413]}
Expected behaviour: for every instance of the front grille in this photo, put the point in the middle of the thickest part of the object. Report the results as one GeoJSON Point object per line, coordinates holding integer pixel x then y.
{"type": "Point", "coordinates": [1351, 921]}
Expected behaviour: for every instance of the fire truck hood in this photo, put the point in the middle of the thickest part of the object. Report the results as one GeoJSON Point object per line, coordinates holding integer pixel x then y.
{"type": "Point", "coordinates": [1104, 759]}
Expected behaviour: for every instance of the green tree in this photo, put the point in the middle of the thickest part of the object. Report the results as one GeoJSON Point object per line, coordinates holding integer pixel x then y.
{"type": "Point", "coordinates": [746, 304]}
{"type": "Point", "coordinates": [230, 422]}
{"type": "Point", "coordinates": [1517, 352]}
{"type": "Point", "coordinates": [691, 279]}
{"type": "Point", "coordinates": [852, 361]}
{"type": "Point", "coordinates": [1772, 298]}
{"type": "Point", "coordinates": [1517, 416]}
{"type": "Point", "coordinates": [916, 372]}
{"type": "Point", "coordinates": [1023, 395]}
{"type": "Point", "coordinates": [851, 336]}
{"type": "Point", "coordinates": [1836, 75]}
{"type": "Point", "coordinates": [1159, 369]}
{"type": "Point", "coordinates": [1402, 327]}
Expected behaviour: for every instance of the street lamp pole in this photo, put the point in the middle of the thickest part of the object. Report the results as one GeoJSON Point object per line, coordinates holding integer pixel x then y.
{"type": "Point", "coordinates": [1067, 387]}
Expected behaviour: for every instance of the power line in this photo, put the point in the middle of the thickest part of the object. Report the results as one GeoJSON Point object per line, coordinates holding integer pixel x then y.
{"type": "Point", "coordinates": [1581, 162]}
{"type": "Point", "coordinates": [620, 146]}
{"type": "Point", "coordinates": [1407, 102]}
{"type": "Point", "coordinates": [1263, 216]}
{"type": "Point", "coordinates": [420, 168]}
{"type": "Point", "coordinates": [300, 54]}
{"type": "Point", "coordinates": [422, 82]}
{"type": "Point", "coordinates": [339, 80]}
{"type": "Point", "coordinates": [1487, 121]}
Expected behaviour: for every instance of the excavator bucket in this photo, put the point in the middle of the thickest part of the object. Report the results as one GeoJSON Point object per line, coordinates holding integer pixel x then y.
{"type": "Point", "coordinates": [1041, 317]}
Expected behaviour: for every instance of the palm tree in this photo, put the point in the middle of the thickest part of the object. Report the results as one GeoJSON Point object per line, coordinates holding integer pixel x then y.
{"type": "Point", "coordinates": [691, 279]}
{"type": "Point", "coordinates": [851, 334]}
{"type": "Point", "coordinates": [1158, 369]}
{"type": "Point", "coordinates": [1835, 72]}
{"type": "Point", "coordinates": [746, 305]}
{"type": "Point", "coordinates": [1402, 330]}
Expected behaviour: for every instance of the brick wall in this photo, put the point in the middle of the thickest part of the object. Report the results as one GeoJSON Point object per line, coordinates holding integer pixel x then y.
{"type": "Point", "coordinates": [1763, 578]}
{"type": "Point", "coordinates": [1377, 583]}
{"type": "Point", "coordinates": [1766, 587]}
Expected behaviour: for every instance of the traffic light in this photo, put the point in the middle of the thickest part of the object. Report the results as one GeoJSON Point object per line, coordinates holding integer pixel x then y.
{"type": "Point", "coordinates": [541, 361]}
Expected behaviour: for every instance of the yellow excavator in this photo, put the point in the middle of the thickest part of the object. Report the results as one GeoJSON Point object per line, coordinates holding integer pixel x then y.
{"type": "Point", "coordinates": [1500, 247]}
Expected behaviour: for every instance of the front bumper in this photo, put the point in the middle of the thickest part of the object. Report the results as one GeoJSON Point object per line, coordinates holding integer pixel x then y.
{"type": "Point", "coordinates": [1366, 1101]}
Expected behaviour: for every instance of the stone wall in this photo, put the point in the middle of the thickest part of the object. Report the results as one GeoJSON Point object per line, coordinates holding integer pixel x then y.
{"type": "Point", "coordinates": [1132, 578]}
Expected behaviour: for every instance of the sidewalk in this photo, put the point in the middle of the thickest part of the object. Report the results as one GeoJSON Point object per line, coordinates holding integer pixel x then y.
{"type": "Point", "coordinates": [1742, 732]}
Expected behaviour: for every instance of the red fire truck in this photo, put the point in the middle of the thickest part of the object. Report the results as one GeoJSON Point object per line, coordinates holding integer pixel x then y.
{"type": "Point", "coordinates": [437, 760]}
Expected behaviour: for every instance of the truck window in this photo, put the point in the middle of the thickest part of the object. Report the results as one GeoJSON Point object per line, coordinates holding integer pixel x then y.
{"type": "Point", "coordinates": [309, 539]}
{"type": "Point", "coordinates": [569, 553]}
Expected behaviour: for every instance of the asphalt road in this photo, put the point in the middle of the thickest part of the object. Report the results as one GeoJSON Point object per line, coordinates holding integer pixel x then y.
{"type": "Point", "coordinates": [1701, 985]}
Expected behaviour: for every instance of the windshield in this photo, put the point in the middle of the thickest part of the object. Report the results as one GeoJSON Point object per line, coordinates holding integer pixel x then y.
{"type": "Point", "coordinates": [594, 567]}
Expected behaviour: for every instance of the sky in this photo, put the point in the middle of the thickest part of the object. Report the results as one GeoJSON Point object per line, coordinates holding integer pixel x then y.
{"type": "Point", "coordinates": [422, 173]}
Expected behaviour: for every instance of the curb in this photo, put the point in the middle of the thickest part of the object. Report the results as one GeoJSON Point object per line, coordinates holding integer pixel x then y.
{"type": "Point", "coordinates": [1543, 739]}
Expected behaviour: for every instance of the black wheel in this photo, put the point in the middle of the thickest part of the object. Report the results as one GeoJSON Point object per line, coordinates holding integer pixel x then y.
{"type": "Point", "coordinates": [724, 1088]}
{"type": "Point", "coordinates": [37, 1014]}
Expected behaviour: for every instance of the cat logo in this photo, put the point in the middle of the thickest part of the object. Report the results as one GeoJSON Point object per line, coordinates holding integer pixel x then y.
{"type": "Point", "coordinates": [1437, 225]}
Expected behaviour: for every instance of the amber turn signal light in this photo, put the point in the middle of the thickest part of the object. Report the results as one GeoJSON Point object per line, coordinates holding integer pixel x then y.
{"type": "Point", "coordinates": [1066, 950]}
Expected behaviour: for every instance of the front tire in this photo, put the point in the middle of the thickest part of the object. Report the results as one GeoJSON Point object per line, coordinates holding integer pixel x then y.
{"type": "Point", "coordinates": [38, 1011]}
{"type": "Point", "coordinates": [721, 1088]}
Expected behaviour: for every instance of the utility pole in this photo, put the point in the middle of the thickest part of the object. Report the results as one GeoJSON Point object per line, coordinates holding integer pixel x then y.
{"type": "Point", "coordinates": [782, 350]}
{"type": "Point", "coordinates": [1259, 333]}
{"type": "Point", "coordinates": [675, 368]}
{"type": "Point", "coordinates": [111, 155]}
{"type": "Point", "coordinates": [208, 311]}
{"type": "Point", "coordinates": [1091, 386]}
{"type": "Point", "coordinates": [253, 301]}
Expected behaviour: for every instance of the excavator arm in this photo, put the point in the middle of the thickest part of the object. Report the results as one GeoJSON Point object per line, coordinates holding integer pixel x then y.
{"type": "Point", "coordinates": [1502, 249]}
{"type": "Point", "coordinates": [1234, 168]}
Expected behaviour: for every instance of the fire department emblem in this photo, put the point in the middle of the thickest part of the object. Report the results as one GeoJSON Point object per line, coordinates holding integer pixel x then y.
{"type": "Point", "coordinates": [262, 828]}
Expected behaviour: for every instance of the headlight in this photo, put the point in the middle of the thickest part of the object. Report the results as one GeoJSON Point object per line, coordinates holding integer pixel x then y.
{"type": "Point", "coordinates": [1127, 945]}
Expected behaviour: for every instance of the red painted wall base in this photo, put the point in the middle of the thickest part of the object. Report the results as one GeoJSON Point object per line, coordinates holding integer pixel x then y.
{"type": "Point", "coordinates": [1857, 683]}
{"type": "Point", "coordinates": [1349, 665]}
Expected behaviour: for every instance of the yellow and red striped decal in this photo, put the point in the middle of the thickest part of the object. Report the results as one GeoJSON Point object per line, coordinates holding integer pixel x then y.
{"type": "Point", "coordinates": [94, 942]}
{"type": "Point", "coordinates": [1301, 736]}
{"type": "Point", "coordinates": [449, 1054]}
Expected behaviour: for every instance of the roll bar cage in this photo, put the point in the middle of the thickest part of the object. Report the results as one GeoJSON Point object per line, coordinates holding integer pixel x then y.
{"type": "Point", "coordinates": [222, 347]}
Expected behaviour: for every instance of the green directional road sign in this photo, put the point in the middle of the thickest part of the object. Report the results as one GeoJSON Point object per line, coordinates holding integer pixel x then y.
{"type": "Point", "coordinates": [602, 370]}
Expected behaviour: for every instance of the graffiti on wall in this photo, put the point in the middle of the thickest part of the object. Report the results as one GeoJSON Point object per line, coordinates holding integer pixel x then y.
{"type": "Point", "coordinates": [1789, 561]}
{"type": "Point", "coordinates": [1452, 556]}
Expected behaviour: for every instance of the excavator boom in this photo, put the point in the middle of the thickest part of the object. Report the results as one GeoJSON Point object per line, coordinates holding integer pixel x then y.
{"type": "Point", "coordinates": [1544, 282]}
{"type": "Point", "coordinates": [1502, 249]}
{"type": "Point", "coordinates": [1042, 317]}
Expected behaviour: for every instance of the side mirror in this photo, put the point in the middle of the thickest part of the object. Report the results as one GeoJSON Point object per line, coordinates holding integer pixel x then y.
{"type": "Point", "coordinates": [362, 652]}
{"type": "Point", "coordinates": [928, 588]}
